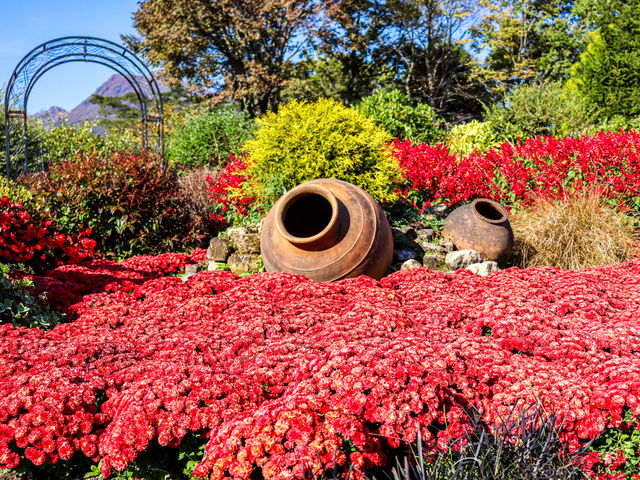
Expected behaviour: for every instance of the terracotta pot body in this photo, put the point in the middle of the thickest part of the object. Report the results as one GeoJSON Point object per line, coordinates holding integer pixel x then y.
{"type": "Point", "coordinates": [327, 230]}
{"type": "Point", "coordinates": [481, 225]}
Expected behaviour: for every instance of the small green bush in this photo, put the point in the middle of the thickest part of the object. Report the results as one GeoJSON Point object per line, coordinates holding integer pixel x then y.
{"type": "Point", "coordinates": [305, 141]}
{"type": "Point", "coordinates": [532, 110]}
{"type": "Point", "coordinates": [392, 111]}
{"type": "Point", "coordinates": [465, 138]}
{"type": "Point", "coordinates": [616, 124]}
{"type": "Point", "coordinates": [19, 307]}
{"type": "Point", "coordinates": [209, 138]}
{"type": "Point", "coordinates": [35, 132]}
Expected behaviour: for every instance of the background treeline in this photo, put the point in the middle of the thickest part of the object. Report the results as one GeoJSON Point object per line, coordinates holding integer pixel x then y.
{"type": "Point", "coordinates": [460, 57]}
{"type": "Point", "coordinates": [467, 73]}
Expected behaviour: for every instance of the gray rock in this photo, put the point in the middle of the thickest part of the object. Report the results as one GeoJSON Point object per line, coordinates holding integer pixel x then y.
{"type": "Point", "coordinates": [439, 210]}
{"type": "Point", "coordinates": [219, 249]}
{"type": "Point", "coordinates": [448, 247]}
{"type": "Point", "coordinates": [409, 264]}
{"type": "Point", "coordinates": [190, 270]}
{"type": "Point", "coordinates": [403, 233]}
{"type": "Point", "coordinates": [425, 234]}
{"type": "Point", "coordinates": [483, 268]}
{"type": "Point", "coordinates": [404, 255]}
{"type": "Point", "coordinates": [244, 240]}
{"type": "Point", "coordinates": [431, 247]}
{"type": "Point", "coordinates": [462, 259]}
{"type": "Point", "coordinates": [216, 266]}
{"type": "Point", "coordinates": [240, 263]}
{"type": "Point", "coordinates": [433, 262]}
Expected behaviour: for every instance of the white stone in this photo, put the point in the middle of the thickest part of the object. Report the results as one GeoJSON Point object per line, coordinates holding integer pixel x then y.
{"type": "Point", "coordinates": [462, 259]}
{"type": "Point", "coordinates": [483, 268]}
{"type": "Point", "coordinates": [216, 266]}
{"type": "Point", "coordinates": [412, 263]}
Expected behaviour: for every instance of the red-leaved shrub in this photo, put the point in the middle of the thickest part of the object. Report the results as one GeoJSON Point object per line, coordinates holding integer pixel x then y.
{"type": "Point", "coordinates": [225, 193]}
{"type": "Point", "coordinates": [130, 204]}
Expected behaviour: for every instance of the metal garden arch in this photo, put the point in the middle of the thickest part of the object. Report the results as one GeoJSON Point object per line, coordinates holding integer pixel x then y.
{"type": "Point", "coordinates": [63, 50]}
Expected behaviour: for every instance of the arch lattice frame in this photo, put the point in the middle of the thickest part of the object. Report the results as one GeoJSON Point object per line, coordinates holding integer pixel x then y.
{"type": "Point", "coordinates": [63, 50]}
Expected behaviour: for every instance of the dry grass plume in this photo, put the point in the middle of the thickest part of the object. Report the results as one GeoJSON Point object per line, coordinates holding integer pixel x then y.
{"type": "Point", "coordinates": [577, 231]}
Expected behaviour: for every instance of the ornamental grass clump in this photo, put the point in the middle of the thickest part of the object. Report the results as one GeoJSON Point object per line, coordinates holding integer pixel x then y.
{"type": "Point", "coordinates": [573, 232]}
{"type": "Point", "coordinates": [305, 141]}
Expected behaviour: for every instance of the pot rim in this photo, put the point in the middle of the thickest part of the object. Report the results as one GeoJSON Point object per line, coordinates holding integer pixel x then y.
{"type": "Point", "coordinates": [494, 204]}
{"type": "Point", "coordinates": [299, 192]}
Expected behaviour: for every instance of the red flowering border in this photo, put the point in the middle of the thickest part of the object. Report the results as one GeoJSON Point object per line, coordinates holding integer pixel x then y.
{"type": "Point", "coordinates": [544, 167]}
{"type": "Point", "coordinates": [279, 371]}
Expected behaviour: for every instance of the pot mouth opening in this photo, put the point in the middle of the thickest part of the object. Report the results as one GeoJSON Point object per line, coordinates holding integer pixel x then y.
{"type": "Point", "coordinates": [489, 211]}
{"type": "Point", "coordinates": [308, 215]}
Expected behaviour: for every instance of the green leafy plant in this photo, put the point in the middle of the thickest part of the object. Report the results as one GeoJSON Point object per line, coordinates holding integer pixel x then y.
{"type": "Point", "coordinates": [624, 439]}
{"type": "Point", "coordinates": [19, 307]}
{"type": "Point", "coordinates": [392, 111]}
{"type": "Point", "coordinates": [35, 133]}
{"type": "Point", "coordinates": [16, 193]}
{"type": "Point", "coordinates": [209, 137]}
{"type": "Point", "coordinates": [65, 141]}
{"type": "Point", "coordinates": [305, 141]}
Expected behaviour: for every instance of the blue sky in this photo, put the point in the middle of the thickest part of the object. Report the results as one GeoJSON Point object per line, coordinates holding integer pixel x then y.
{"type": "Point", "coordinates": [25, 24]}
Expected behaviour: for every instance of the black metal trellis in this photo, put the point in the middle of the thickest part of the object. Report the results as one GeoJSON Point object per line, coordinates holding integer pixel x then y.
{"type": "Point", "coordinates": [63, 50]}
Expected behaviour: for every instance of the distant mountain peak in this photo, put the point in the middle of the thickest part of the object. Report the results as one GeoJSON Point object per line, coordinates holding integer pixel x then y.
{"type": "Point", "coordinates": [115, 86]}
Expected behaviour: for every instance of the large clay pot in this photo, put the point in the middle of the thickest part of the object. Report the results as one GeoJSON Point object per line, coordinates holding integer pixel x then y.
{"type": "Point", "coordinates": [327, 230]}
{"type": "Point", "coordinates": [481, 225]}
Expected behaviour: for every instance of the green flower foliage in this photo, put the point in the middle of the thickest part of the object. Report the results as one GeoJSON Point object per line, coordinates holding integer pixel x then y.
{"type": "Point", "coordinates": [625, 438]}
{"type": "Point", "coordinates": [474, 135]}
{"type": "Point", "coordinates": [19, 307]}
{"type": "Point", "coordinates": [392, 111]}
{"type": "Point", "coordinates": [305, 141]}
{"type": "Point", "coordinates": [209, 138]}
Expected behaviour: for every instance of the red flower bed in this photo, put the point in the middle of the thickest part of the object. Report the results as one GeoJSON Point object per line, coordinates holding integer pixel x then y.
{"type": "Point", "coordinates": [540, 167]}
{"type": "Point", "coordinates": [38, 244]}
{"type": "Point", "coordinates": [278, 371]}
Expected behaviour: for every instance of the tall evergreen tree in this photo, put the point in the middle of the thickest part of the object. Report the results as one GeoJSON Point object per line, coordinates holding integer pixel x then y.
{"type": "Point", "coordinates": [608, 73]}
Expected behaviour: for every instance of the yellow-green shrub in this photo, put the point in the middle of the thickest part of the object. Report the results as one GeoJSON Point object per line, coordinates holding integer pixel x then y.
{"type": "Point", "coordinates": [17, 193]}
{"type": "Point", "coordinates": [65, 141]}
{"type": "Point", "coordinates": [324, 139]}
{"type": "Point", "coordinates": [474, 135]}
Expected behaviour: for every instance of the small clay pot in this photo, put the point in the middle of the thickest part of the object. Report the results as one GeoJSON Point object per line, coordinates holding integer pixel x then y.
{"type": "Point", "coordinates": [327, 230]}
{"type": "Point", "coordinates": [481, 225]}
